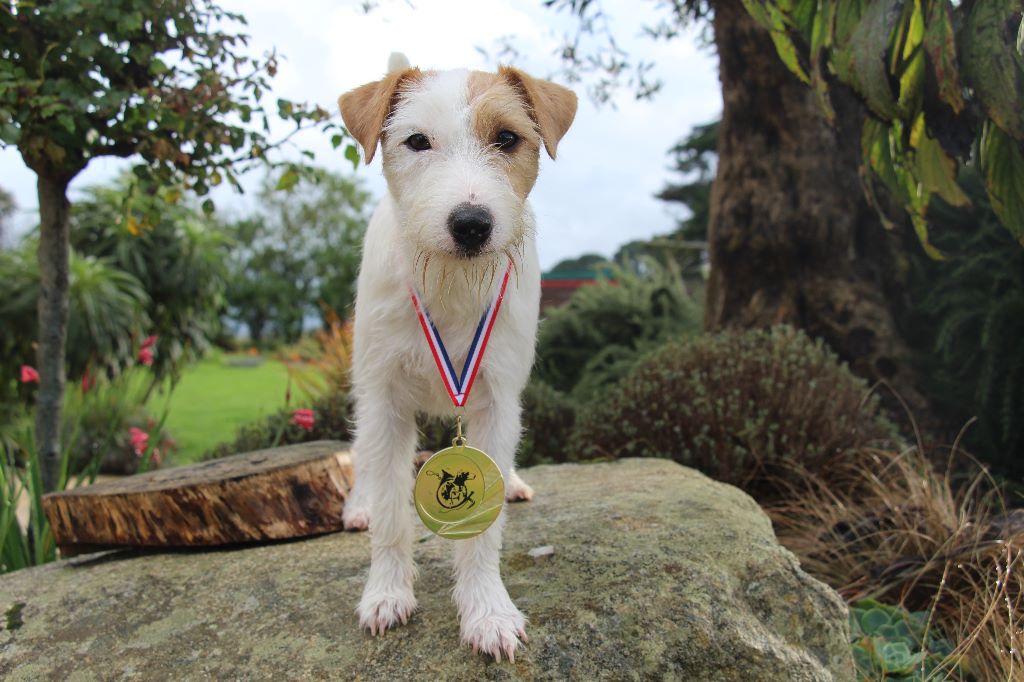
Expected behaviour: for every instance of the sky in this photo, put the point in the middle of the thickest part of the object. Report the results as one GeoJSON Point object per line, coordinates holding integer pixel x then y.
{"type": "Point", "coordinates": [598, 195]}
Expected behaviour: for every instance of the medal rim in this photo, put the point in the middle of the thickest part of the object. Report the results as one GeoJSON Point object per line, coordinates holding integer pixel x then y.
{"type": "Point", "coordinates": [422, 513]}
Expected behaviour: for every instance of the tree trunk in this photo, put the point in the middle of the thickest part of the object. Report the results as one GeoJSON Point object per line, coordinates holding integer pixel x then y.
{"type": "Point", "coordinates": [54, 212]}
{"type": "Point", "coordinates": [791, 238]}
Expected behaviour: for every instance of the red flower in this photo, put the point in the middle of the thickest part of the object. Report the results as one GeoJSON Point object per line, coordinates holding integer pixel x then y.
{"type": "Point", "coordinates": [88, 380]}
{"type": "Point", "coordinates": [29, 375]}
{"type": "Point", "coordinates": [303, 418]}
{"type": "Point", "coordinates": [149, 342]}
{"type": "Point", "coordinates": [146, 356]}
{"type": "Point", "coordinates": [139, 440]}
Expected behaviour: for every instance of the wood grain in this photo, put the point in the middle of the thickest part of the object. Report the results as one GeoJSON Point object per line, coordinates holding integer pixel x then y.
{"type": "Point", "coordinates": [273, 494]}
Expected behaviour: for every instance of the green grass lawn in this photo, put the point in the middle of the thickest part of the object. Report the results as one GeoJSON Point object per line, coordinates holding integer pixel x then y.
{"type": "Point", "coordinates": [214, 398]}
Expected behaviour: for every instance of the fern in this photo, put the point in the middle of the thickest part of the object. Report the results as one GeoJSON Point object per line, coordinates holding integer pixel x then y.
{"type": "Point", "coordinates": [968, 327]}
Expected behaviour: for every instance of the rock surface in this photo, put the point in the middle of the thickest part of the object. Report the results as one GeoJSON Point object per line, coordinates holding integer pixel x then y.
{"type": "Point", "coordinates": [656, 573]}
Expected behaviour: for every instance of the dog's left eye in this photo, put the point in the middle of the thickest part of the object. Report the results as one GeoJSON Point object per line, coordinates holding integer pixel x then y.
{"type": "Point", "coordinates": [418, 142]}
{"type": "Point", "coordinates": [506, 140]}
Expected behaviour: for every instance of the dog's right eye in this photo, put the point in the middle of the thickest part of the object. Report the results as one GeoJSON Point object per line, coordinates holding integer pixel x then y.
{"type": "Point", "coordinates": [418, 142]}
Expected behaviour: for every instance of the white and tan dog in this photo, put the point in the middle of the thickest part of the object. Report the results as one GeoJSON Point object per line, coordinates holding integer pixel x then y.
{"type": "Point", "coordinates": [461, 152]}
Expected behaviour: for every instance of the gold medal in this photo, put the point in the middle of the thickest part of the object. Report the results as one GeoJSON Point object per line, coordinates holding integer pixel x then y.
{"type": "Point", "coordinates": [459, 490]}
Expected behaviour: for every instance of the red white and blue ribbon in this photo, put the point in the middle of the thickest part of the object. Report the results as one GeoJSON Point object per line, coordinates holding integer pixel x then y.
{"type": "Point", "coordinates": [459, 386]}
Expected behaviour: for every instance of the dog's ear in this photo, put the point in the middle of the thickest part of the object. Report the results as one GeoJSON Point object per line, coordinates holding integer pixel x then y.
{"type": "Point", "coordinates": [366, 109]}
{"type": "Point", "coordinates": [552, 106]}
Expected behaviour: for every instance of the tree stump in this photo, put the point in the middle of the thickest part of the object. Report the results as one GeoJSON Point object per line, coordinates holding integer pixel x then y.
{"type": "Point", "coordinates": [273, 494]}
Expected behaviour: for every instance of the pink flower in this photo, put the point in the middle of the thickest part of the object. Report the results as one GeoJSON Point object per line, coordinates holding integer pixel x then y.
{"type": "Point", "coordinates": [139, 440]}
{"type": "Point", "coordinates": [29, 375]}
{"type": "Point", "coordinates": [303, 418]}
{"type": "Point", "coordinates": [149, 342]}
{"type": "Point", "coordinates": [146, 356]}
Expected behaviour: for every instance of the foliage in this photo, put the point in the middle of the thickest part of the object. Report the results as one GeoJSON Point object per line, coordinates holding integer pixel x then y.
{"type": "Point", "coordinates": [967, 324]}
{"type": "Point", "coordinates": [588, 262]}
{"type": "Point", "coordinates": [693, 158]}
{"type": "Point", "coordinates": [7, 208]}
{"type": "Point", "coordinates": [331, 421]}
{"type": "Point", "coordinates": [887, 525]}
{"type": "Point", "coordinates": [169, 82]}
{"type": "Point", "coordinates": [324, 366]}
{"type": "Point", "coordinates": [593, 51]}
{"type": "Point", "coordinates": [173, 251]}
{"type": "Point", "coordinates": [548, 418]}
{"type": "Point", "coordinates": [890, 643]}
{"type": "Point", "coordinates": [106, 315]}
{"type": "Point", "coordinates": [166, 83]}
{"type": "Point", "coordinates": [302, 248]}
{"type": "Point", "coordinates": [737, 406]}
{"type": "Point", "coordinates": [97, 424]}
{"type": "Point", "coordinates": [936, 75]}
{"type": "Point", "coordinates": [586, 345]}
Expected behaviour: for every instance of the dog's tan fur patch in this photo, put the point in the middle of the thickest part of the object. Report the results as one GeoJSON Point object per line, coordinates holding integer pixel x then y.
{"type": "Point", "coordinates": [496, 106]}
{"type": "Point", "coordinates": [365, 109]}
{"type": "Point", "coordinates": [552, 106]}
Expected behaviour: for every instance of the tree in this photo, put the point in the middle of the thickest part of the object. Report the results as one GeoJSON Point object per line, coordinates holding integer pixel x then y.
{"type": "Point", "coordinates": [790, 236]}
{"type": "Point", "coordinates": [160, 82]}
{"type": "Point", "coordinates": [7, 208]}
{"type": "Point", "coordinates": [301, 249]}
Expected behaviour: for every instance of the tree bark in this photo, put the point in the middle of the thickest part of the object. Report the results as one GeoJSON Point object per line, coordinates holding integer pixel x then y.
{"type": "Point", "coordinates": [54, 213]}
{"type": "Point", "coordinates": [791, 238]}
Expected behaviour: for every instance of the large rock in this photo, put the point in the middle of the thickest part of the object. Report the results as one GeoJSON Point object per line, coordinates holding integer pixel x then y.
{"type": "Point", "coordinates": [657, 573]}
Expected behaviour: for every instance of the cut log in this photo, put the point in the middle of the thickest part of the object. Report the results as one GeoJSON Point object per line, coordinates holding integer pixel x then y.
{"type": "Point", "coordinates": [274, 494]}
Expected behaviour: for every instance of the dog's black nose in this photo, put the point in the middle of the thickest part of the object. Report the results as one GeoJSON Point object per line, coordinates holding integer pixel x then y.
{"type": "Point", "coordinates": [470, 226]}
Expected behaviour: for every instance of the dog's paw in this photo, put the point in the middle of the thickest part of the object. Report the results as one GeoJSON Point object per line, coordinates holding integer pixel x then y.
{"type": "Point", "coordinates": [380, 611]}
{"type": "Point", "coordinates": [355, 517]}
{"type": "Point", "coordinates": [517, 490]}
{"type": "Point", "coordinates": [496, 634]}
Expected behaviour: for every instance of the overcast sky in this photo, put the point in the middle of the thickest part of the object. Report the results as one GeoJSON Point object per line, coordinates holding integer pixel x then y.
{"type": "Point", "coordinates": [596, 197]}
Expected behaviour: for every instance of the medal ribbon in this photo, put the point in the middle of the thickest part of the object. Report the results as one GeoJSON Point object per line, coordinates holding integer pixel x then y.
{"type": "Point", "coordinates": [458, 387]}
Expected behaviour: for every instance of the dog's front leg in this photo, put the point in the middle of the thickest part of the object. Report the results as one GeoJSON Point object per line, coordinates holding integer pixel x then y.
{"type": "Point", "coordinates": [490, 622]}
{"type": "Point", "coordinates": [385, 439]}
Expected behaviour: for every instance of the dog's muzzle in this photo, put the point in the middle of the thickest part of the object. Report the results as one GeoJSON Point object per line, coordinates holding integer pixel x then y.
{"type": "Point", "coordinates": [470, 226]}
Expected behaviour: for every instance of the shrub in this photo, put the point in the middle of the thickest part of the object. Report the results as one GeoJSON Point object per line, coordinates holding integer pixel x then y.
{"type": "Point", "coordinates": [548, 419]}
{"type": "Point", "coordinates": [589, 343]}
{"type": "Point", "coordinates": [886, 525]}
{"type": "Point", "coordinates": [331, 421]}
{"type": "Point", "coordinates": [734, 405]}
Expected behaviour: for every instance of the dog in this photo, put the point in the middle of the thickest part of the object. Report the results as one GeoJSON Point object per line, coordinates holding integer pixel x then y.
{"type": "Point", "coordinates": [461, 153]}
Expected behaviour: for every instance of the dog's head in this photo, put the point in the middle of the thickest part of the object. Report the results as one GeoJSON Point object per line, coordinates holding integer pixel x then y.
{"type": "Point", "coordinates": [461, 151]}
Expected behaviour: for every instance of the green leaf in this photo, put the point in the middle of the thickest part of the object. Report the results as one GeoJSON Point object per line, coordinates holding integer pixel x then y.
{"type": "Point", "coordinates": [288, 180]}
{"type": "Point", "coordinates": [862, 61]}
{"type": "Point", "coordinates": [911, 64]}
{"type": "Point", "coordinates": [208, 207]}
{"type": "Point", "coordinates": [872, 620]}
{"type": "Point", "coordinates": [992, 66]}
{"type": "Point", "coordinates": [1002, 162]}
{"type": "Point", "coordinates": [935, 169]}
{"type": "Point", "coordinates": [336, 140]}
{"type": "Point", "coordinates": [896, 657]}
{"type": "Point", "coordinates": [940, 46]}
{"type": "Point", "coordinates": [352, 154]}
{"type": "Point", "coordinates": [772, 17]}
